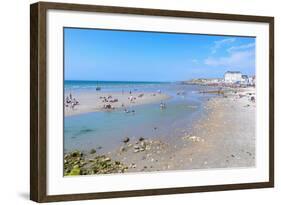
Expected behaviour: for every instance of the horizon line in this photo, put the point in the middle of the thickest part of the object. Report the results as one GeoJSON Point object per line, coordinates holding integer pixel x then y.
{"type": "Point", "coordinates": [121, 80]}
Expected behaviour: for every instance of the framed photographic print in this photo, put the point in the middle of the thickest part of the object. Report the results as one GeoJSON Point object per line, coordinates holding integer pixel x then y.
{"type": "Point", "coordinates": [134, 102]}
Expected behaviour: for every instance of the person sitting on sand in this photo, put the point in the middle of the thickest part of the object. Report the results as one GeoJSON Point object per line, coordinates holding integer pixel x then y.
{"type": "Point", "coordinates": [75, 102]}
{"type": "Point", "coordinates": [108, 106]}
{"type": "Point", "coordinates": [72, 105]}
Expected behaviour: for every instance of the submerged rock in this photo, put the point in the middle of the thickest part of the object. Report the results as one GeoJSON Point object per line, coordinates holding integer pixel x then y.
{"type": "Point", "coordinates": [93, 151]}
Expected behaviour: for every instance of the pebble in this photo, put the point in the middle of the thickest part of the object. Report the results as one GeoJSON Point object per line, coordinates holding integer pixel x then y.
{"type": "Point", "coordinates": [107, 159]}
{"type": "Point", "coordinates": [122, 149]}
{"type": "Point", "coordinates": [126, 139]}
{"type": "Point", "coordinates": [141, 139]}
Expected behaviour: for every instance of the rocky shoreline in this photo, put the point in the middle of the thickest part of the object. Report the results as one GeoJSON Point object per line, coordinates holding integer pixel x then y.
{"type": "Point", "coordinates": [79, 163]}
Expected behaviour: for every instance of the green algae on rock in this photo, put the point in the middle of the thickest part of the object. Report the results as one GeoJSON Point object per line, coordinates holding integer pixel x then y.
{"type": "Point", "coordinates": [75, 163]}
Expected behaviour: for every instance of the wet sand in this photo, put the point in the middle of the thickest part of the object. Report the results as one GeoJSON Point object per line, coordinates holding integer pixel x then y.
{"type": "Point", "coordinates": [95, 101]}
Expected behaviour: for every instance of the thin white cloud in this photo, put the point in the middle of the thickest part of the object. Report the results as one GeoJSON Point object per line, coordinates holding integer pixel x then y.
{"type": "Point", "coordinates": [238, 59]}
{"type": "Point", "coordinates": [221, 43]}
{"type": "Point", "coordinates": [241, 47]}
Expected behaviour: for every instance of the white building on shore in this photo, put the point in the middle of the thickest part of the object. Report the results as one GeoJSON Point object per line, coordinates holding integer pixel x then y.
{"type": "Point", "coordinates": [233, 77]}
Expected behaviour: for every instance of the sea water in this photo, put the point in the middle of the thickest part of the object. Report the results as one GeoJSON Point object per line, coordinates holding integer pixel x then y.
{"type": "Point", "coordinates": [107, 129]}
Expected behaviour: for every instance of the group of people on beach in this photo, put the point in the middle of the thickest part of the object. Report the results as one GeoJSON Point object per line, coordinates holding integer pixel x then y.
{"type": "Point", "coordinates": [70, 101]}
{"type": "Point", "coordinates": [108, 100]}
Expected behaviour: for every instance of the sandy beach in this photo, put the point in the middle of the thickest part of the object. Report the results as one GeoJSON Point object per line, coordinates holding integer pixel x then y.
{"type": "Point", "coordinates": [96, 101]}
{"type": "Point", "coordinates": [223, 138]}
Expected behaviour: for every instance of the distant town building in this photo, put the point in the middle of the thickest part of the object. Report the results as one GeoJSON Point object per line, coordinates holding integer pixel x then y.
{"type": "Point", "coordinates": [232, 77]}
{"type": "Point", "coordinates": [214, 80]}
{"type": "Point", "coordinates": [205, 81]}
{"type": "Point", "coordinates": [244, 80]}
{"type": "Point", "coordinates": [252, 80]}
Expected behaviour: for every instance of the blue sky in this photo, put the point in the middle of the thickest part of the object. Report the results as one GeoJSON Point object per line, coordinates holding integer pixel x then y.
{"type": "Point", "coordinates": [92, 54]}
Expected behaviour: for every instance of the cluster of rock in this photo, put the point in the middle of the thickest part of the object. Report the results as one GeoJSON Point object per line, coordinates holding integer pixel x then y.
{"type": "Point", "coordinates": [193, 138]}
{"type": "Point", "coordinates": [145, 151]}
{"type": "Point", "coordinates": [75, 163]}
{"type": "Point", "coordinates": [104, 165]}
{"type": "Point", "coordinates": [140, 145]}
{"type": "Point", "coordinates": [141, 153]}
